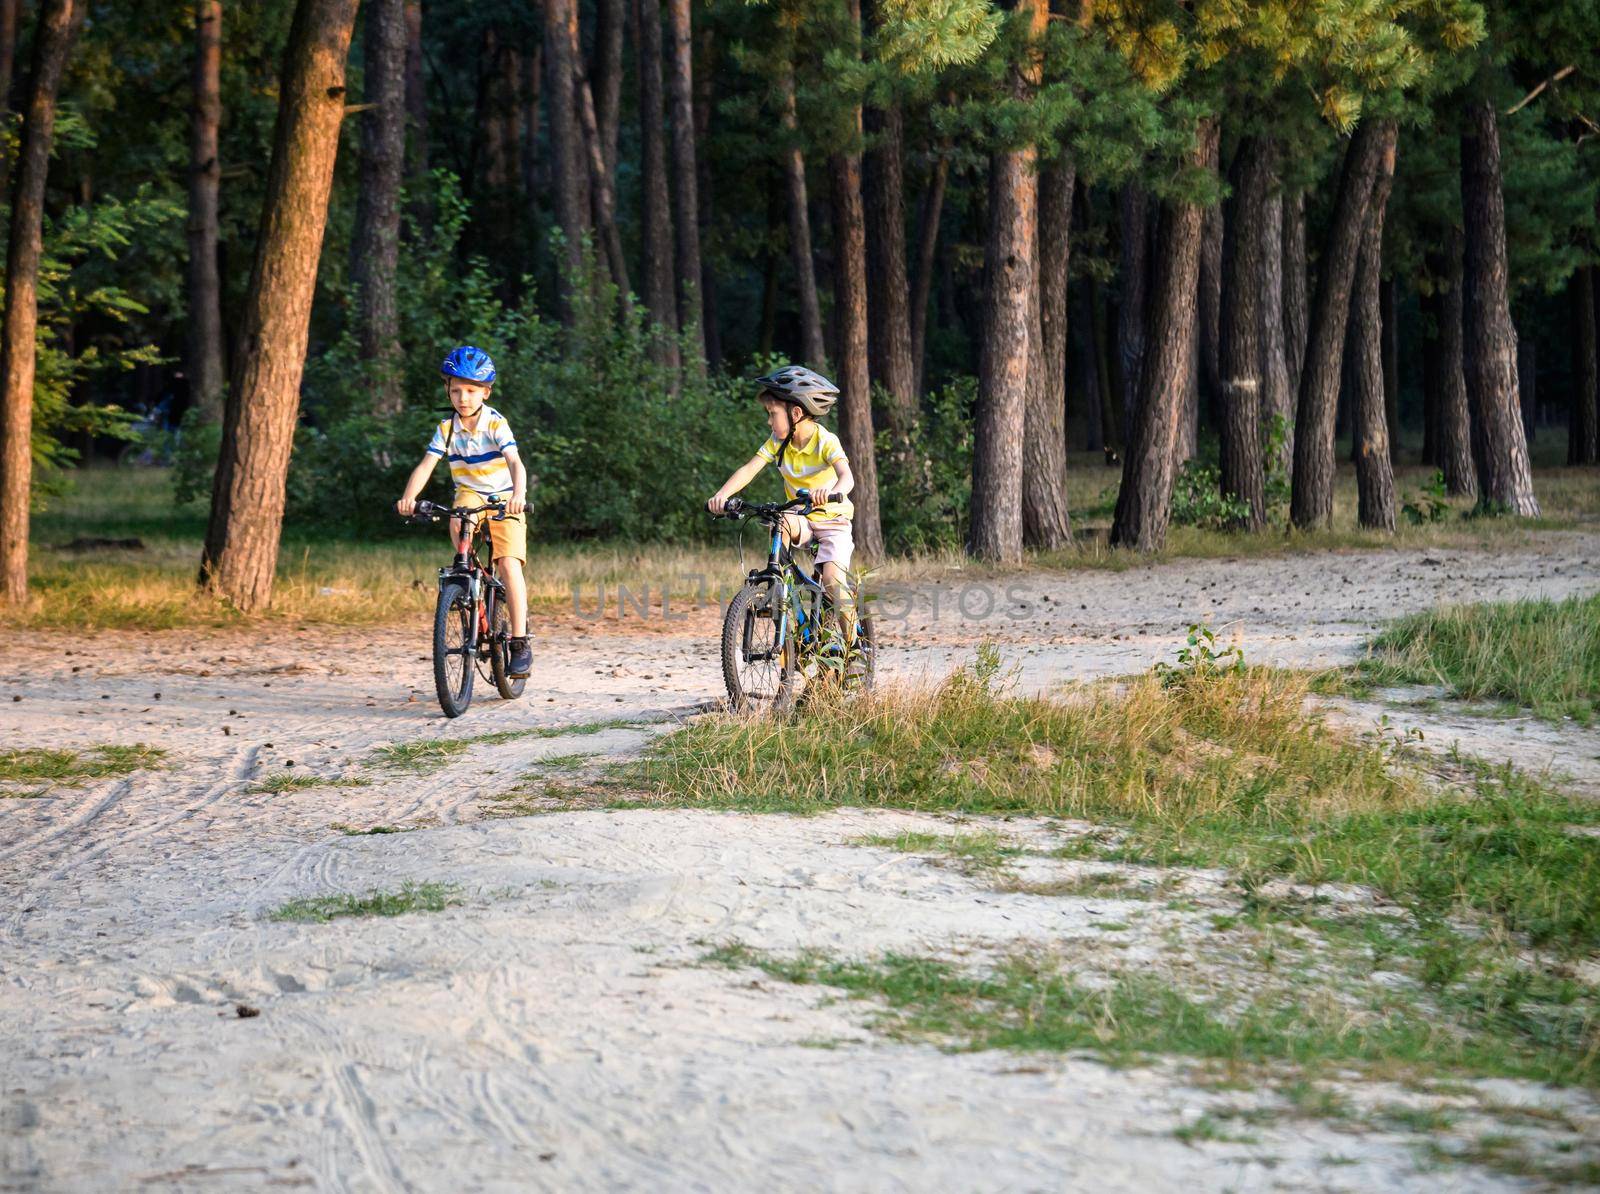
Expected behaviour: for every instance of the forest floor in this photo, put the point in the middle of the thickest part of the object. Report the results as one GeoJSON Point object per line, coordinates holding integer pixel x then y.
{"type": "Point", "coordinates": [555, 1022]}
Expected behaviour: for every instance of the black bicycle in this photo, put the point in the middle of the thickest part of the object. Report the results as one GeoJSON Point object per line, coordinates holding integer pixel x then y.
{"type": "Point", "coordinates": [779, 633]}
{"type": "Point", "coordinates": [471, 628]}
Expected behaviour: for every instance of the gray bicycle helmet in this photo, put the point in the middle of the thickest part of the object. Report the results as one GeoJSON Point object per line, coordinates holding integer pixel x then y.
{"type": "Point", "coordinates": [806, 388]}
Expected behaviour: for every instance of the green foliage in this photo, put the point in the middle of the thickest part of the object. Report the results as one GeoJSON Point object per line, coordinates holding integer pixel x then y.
{"type": "Point", "coordinates": [925, 486]}
{"type": "Point", "coordinates": [1430, 504]}
{"type": "Point", "coordinates": [1199, 660]}
{"type": "Point", "coordinates": [1198, 501]}
{"type": "Point", "coordinates": [412, 897]}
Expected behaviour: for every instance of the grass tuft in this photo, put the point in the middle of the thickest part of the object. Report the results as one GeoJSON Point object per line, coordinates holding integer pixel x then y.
{"type": "Point", "coordinates": [299, 781]}
{"type": "Point", "coordinates": [72, 767]}
{"type": "Point", "coordinates": [412, 897]}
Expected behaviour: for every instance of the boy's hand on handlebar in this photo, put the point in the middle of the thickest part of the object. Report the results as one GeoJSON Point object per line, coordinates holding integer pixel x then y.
{"type": "Point", "coordinates": [406, 507]}
{"type": "Point", "coordinates": [516, 505]}
{"type": "Point", "coordinates": [717, 504]}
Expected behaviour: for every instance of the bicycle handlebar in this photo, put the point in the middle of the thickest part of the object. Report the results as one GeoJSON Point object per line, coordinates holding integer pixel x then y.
{"type": "Point", "coordinates": [738, 508]}
{"type": "Point", "coordinates": [432, 512]}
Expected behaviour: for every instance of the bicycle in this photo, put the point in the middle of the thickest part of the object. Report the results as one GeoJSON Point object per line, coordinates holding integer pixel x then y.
{"type": "Point", "coordinates": [777, 634]}
{"type": "Point", "coordinates": [471, 628]}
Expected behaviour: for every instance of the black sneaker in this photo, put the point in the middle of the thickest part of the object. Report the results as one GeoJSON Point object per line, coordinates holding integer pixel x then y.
{"type": "Point", "coordinates": [521, 659]}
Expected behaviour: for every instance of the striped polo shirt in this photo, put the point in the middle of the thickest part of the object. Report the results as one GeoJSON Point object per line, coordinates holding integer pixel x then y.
{"type": "Point", "coordinates": [477, 458]}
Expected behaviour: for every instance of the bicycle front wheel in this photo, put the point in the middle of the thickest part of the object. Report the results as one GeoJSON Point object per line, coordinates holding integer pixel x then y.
{"type": "Point", "coordinates": [759, 673]}
{"type": "Point", "coordinates": [453, 665]}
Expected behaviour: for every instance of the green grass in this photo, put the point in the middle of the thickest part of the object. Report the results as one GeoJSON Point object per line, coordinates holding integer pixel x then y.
{"type": "Point", "coordinates": [1231, 771]}
{"type": "Point", "coordinates": [74, 767]}
{"type": "Point", "coordinates": [1539, 654]}
{"type": "Point", "coordinates": [1027, 1003]}
{"type": "Point", "coordinates": [299, 781]}
{"type": "Point", "coordinates": [969, 851]}
{"type": "Point", "coordinates": [376, 830]}
{"type": "Point", "coordinates": [429, 754]}
{"type": "Point", "coordinates": [412, 897]}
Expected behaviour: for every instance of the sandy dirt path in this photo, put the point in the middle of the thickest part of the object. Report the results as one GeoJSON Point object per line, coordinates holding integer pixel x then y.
{"type": "Point", "coordinates": [555, 1031]}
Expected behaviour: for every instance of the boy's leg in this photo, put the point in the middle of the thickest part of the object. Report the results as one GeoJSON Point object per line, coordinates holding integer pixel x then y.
{"type": "Point", "coordinates": [843, 597]}
{"type": "Point", "coordinates": [516, 594]}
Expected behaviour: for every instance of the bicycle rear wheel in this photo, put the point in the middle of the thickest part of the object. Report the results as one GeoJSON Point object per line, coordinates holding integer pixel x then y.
{"type": "Point", "coordinates": [759, 674]}
{"type": "Point", "coordinates": [453, 666]}
{"type": "Point", "coordinates": [500, 654]}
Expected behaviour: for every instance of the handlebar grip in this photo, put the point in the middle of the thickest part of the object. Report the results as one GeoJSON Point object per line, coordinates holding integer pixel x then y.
{"type": "Point", "coordinates": [731, 507]}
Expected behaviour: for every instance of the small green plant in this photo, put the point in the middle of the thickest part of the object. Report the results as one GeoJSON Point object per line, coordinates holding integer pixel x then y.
{"type": "Point", "coordinates": [1198, 501]}
{"type": "Point", "coordinates": [412, 897]}
{"type": "Point", "coordinates": [73, 767]}
{"type": "Point", "coordinates": [299, 781]}
{"type": "Point", "coordinates": [1430, 504]}
{"type": "Point", "coordinates": [1199, 659]}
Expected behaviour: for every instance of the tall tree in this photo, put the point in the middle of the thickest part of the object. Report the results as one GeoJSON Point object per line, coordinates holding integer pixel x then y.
{"type": "Point", "coordinates": [1132, 302]}
{"type": "Point", "coordinates": [1443, 370]}
{"type": "Point", "coordinates": [375, 244]}
{"type": "Point", "coordinates": [1239, 388]}
{"type": "Point", "coordinates": [850, 309]}
{"type": "Point", "coordinates": [1374, 464]}
{"type": "Point", "coordinates": [794, 178]}
{"type": "Point", "coordinates": [1144, 503]}
{"type": "Point", "coordinates": [247, 496]}
{"type": "Point", "coordinates": [1009, 255]}
{"type": "Point", "coordinates": [203, 343]}
{"type": "Point", "coordinates": [601, 186]}
{"type": "Point", "coordinates": [1046, 523]}
{"type": "Point", "coordinates": [1296, 310]}
{"type": "Point", "coordinates": [1583, 437]}
{"type": "Point", "coordinates": [685, 177]}
{"type": "Point", "coordinates": [1277, 395]}
{"type": "Point", "coordinates": [57, 25]}
{"type": "Point", "coordinates": [930, 209]}
{"type": "Point", "coordinates": [8, 49]}
{"type": "Point", "coordinates": [566, 142]}
{"type": "Point", "coordinates": [416, 94]}
{"type": "Point", "coordinates": [705, 76]}
{"type": "Point", "coordinates": [1311, 498]}
{"type": "Point", "coordinates": [888, 290]}
{"type": "Point", "coordinates": [1500, 450]}
{"type": "Point", "coordinates": [660, 284]}
{"type": "Point", "coordinates": [610, 19]}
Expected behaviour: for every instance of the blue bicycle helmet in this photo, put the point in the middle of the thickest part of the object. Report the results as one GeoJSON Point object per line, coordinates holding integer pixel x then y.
{"type": "Point", "coordinates": [469, 364]}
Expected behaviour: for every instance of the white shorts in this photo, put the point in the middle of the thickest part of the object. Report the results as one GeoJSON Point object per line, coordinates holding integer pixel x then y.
{"type": "Point", "coordinates": [835, 540]}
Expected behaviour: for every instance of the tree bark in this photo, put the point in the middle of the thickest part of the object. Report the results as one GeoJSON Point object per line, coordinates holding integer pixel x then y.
{"type": "Point", "coordinates": [609, 20]}
{"type": "Point", "coordinates": [1111, 433]}
{"type": "Point", "coordinates": [1212, 273]}
{"type": "Point", "coordinates": [685, 179]}
{"type": "Point", "coordinates": [247, 497]}
{"type": "Point", "coordinates": [1374, 463]}
{"type": "Point", "coordinates": [1131, 300]}
{"type": "Point", "coordinates": [1505, 480]}
{"type": "Point", "coordinates": [705, 76]}
{"type": "Point", "coordinates": [855, 384]}
{"type": "Point", "coordinates": [1453, 429]}
{"type": "Point", "coordinates": [535, 179]}
{"type": "Point", "coordinates": [1277, 396]}
{"type": "Point", "coordinates": [1238, 382]}
{"type": "Point", "coordinates": [1009, 257]}
{"type": "Point", "coordinates": [566, 145]}
{"type": "Point", "coordinates": [1311, 501]}
{"type": "Point", "coordinates": [1046, 523]}
{"type": "Point", "coordinates": [660, 282]}
{"type": "Point", "coordinates": [55, 28]}
{"type": "Point", "coordinates": [205, 364]}
{"type": "Point", "coordinates": [416, 94]}
{"type": "Point", "coordinates": [1583, 420]}
{"type": "Point", "coordinates": [601, 187]}
{"type": "Point", "coordinates": [794, 179]}
{"type": "Point", "coordinates": [375, 243]}
{"type": "Point", "coordinates": [1295, 314]}
{"type": "Point", "coordinates": [888, 291]}
{"type": "Point", "coordinates": [930, 211]}
{"type": "Point", "coordinates": [1387, 306]}
{"type": "Point", "coordinates": [1144, 503]}
{"type": "Point", "coordinates": [8, 49]}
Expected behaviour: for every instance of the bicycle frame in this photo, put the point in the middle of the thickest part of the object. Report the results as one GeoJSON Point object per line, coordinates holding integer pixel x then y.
{"type": "Point", "coordinates": [484, 588]}
{"type": "Point", "coordinates": [790, 579]}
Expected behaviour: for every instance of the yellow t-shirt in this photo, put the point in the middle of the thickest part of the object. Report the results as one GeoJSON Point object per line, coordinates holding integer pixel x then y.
{"type": "Point", "coordinates": [812, 467]}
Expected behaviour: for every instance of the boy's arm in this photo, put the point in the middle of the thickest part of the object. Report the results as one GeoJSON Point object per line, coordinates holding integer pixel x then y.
{"type": "Point", "coordinates": [847, 479]}
{"type": "Point", "coordinates": [518, 502]}
{"type": "Point", "coordinates": [742, 476]}
{"type": "Point", "coordinates": [407, 505]}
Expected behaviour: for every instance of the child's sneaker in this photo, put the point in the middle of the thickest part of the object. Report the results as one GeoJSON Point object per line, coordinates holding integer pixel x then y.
{"type": "Point", "coordinates": [521, 659]}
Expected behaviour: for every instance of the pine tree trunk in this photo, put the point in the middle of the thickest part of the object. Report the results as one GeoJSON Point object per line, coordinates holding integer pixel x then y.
{"type": "Point", "coordinates": [535, 179]}
{"type": "Point", "coordinates": [8, 49]}
{"type": "Point", "coordinates": [1111, 432]}
{"type": "Point", "coordinates": [1296, 317]}
{"type": "Point", "coordinates": [930, 211]}
{"type": "Point", "coordinates": [55, 28]}
{"type": "Point", "coordinates": [1046, 523]}
{"type": "Point", "coordinates": [602, 188]}
{"type": "Point", "coordinates": [854, 381]}
{"type": "Point", "coordinates": [1431, 387]}
{"type": "Point", "coordinates": [660, 280]}
{"type": "Point", "coordinates": [1277, 397]}
{"type": "Point", "coordinates": [1311, 501]}
{"type": "Point", "coordinates": [705, 75]}
{"type": "Point", "coordinates": [416, 95]}
{"type": "Point", "coordinates": [1505, 480]}
{"type": "Point", "coordinates": [566, 145]}
{"type": "Point", "coordinates": [805, 274]}
{"type": "Point", "coordinates": [1144, 502]}
{"type": "Point", "coordinates": [375, 243]}
{"type": "Point", "coordinates": [1452, 411]}
{"type": "Point", "coordinates": [247, 498]}
{"type": "Point", "coordinates": [887, 287]}
{"type": "Point", "coordinates": [203, 325]}
{"type": "Point", "coordinates": [1583, 442]}
{"type": "Point", "coordinates": [1238, 384]}
{"type": "Point", "coordinates": [1391, 365]}
{"type": "Point", "coordinates": [607, 76]}
{"type": "Point", "coordinates": [1131, 303]}
{"type": "Point", "coordinates": [1374, 463]}
{"type": "Point", "coordinates": [1212, 273]}
{"type": "Point", "coordinates": [685, 179]}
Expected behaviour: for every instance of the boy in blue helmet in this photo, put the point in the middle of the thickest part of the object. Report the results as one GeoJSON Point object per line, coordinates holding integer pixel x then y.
{"type": "Point", "coordinates": [484, 464]}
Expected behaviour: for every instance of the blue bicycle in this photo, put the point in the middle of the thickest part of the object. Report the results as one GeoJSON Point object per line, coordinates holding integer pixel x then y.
{"type": "Point", "coordinates": [779, 634]}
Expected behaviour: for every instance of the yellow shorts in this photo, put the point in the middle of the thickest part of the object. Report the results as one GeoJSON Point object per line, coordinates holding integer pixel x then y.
{"type": "Point", "coordinates": [509, 535]}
